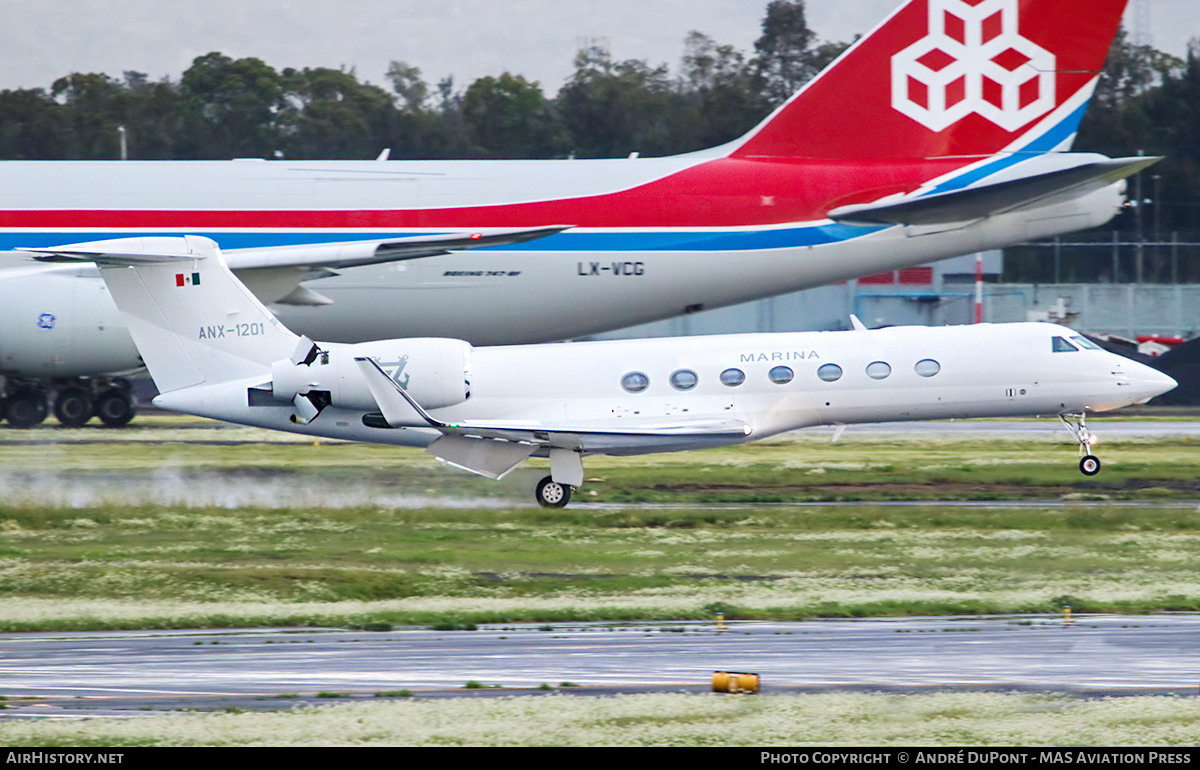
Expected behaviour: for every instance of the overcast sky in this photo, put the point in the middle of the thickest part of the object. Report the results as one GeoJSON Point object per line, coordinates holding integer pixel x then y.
{"type": "Point", "coordinates": [42, 40]}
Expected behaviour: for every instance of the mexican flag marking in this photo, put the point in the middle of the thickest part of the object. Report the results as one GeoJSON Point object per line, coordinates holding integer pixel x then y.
{"type": "Point", "coordinates": [183, 279]}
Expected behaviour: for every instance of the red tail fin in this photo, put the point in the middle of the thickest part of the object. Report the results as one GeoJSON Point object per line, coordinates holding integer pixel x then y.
{"type": "Point", "coordinates": [950, 77]}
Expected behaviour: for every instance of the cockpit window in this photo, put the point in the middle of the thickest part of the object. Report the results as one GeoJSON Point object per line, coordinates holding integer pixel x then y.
{"type": "Point", "coordinates": [1062, 346]}
{"type": "Point", "coordinates": [1085, 343]}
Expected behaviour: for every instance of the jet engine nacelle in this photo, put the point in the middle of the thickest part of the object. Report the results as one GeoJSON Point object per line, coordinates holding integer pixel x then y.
{"type": "Point", "coordinates": [59, 323]}
{"type": "Point", "coordinates": [435, 371]}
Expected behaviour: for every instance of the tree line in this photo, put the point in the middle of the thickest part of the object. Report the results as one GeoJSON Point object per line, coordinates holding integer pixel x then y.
{"type": "Point", "coordinates": [223, 107]}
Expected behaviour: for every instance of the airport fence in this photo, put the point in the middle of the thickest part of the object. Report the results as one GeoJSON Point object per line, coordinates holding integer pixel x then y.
{"type": "Point", "coordinates": [1100, 256]}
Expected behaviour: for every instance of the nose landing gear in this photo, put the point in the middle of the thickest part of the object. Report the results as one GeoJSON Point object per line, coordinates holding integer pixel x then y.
{"type": "Point", "coordinates": [1089, 464]}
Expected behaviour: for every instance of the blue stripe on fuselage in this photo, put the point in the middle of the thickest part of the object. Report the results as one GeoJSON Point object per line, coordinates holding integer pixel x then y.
{"type": "Point", "coordinates": [636, 241]}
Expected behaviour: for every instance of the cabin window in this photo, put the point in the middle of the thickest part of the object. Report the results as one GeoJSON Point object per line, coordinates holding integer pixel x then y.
{"type": "Point", "coordinates": [1084, 342]}
{"type": "Point", "coordinates": [927, 367]}
{"type": "Point", "coordinates": [684, 379]}
{"type": "Point", "coordinates": [733, 377]}
{"type": "Point", "coordinates": [781, 375]}
{"type": "Point", "coordinates": [878, 370]}
{"type": "Point", "coordinates": [635, 382]}
{"type": "Point", "coordinates": [830, 372]}
{"type": "Point", "coordinates": [1061, 345]}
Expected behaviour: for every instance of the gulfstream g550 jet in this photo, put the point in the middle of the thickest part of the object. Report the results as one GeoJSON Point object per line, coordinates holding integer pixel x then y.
{"type": "Point", "coordinates": [943, 131]}
{"type": "Point", "coordinates": [215, 350]}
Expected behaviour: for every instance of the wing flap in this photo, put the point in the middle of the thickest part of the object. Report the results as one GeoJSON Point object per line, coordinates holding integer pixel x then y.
{"type": "Point", "coordinates": [486, 457]}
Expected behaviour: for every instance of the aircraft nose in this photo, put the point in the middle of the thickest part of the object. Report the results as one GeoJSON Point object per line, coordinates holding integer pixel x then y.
{"type": "Point", "coordinates": [1148, 382]}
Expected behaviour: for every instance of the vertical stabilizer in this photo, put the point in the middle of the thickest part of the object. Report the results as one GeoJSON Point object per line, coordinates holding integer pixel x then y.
{"type": "Point", "coordinates": [192, 321]}
{"type": "Point", "coordinates": [950, 78]}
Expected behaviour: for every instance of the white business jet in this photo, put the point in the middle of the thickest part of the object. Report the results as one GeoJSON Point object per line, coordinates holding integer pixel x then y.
{"type": "Point", "coordinates": [215, 350]}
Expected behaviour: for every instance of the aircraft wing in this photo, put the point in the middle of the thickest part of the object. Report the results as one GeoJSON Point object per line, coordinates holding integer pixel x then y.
{"type": "Point", "coordinates": [328, 255]}
{"type": "Point", "coordinates": [274, 273]}
{"type": "Point", "coordinates": [356, 253]}
{"type": "Point", "coordinates": [985, 200]}
{"type": "Point", "coordinates": [494, 447]}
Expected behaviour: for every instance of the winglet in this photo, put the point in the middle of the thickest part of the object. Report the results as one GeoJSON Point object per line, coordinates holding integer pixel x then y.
{"type": "Point", "coordinates": [858, 325]}
{"type": "Point", "coordinates": [399, 409]}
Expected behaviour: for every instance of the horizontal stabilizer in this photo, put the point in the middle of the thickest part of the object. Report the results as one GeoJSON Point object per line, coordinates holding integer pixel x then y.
{"type": "Point", "coordinates": [128, 251]}
{"type": "Point", "coordinates": [974, 203]}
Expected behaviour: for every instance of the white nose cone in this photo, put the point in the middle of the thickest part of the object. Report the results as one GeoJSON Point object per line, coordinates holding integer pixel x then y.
{"type": "Point", "coordinates": [1148, 382]}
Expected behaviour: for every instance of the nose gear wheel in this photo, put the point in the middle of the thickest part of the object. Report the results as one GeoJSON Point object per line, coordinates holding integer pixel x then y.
{"type": "Point", "coordinates": [1089, 464]}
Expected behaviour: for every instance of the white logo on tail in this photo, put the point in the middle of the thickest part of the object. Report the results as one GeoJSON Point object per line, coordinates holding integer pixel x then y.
{"type": "Point", "coordinates": [973, 61]}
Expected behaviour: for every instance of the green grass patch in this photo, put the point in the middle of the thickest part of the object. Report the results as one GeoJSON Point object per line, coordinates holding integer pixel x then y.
{"type": "Point", "coordinates": [661, 719]}
{"type": "Point", "coordinates": [175, 525]}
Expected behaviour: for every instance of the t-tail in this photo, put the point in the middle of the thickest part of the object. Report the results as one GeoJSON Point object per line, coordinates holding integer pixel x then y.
{"type": "Point", "coordinates": [945, 78]}
{"type": "Point", "coordinates": [193, 322]}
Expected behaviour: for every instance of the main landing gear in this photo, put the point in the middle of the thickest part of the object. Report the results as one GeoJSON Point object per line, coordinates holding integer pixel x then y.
{"type": "Point", "coordinates": [1089, 464]}
{"type": "Point", "coordinates": [551, 494]}
{"type": "Point", "coordinates": [24, 404]}
{"type": "Point", "coordinates": [566, 474]}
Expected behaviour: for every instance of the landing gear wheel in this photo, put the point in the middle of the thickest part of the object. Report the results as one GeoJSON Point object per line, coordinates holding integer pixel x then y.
{"type": "Point", "coordinates": [26, 408]}
{"type": "Point", "coordinates": [115, 407]}
{"type": "Point", "coordinates": [1089, 464]}
{"type": "Point", "coordinates": [551, 494]}
{"type": "Point", "coordinates": [73, 407]}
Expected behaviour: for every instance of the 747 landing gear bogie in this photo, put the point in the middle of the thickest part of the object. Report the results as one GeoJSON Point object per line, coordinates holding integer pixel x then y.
{"type": "Point", "coordinates": [551, 494]}
{"type": "Point", "coordinates": [73, 407]}
{"type": "Point", "coordinates": [73, 402]}
{"type": "Point", "coordinates": [115, 407]}
{"type": "Point", "coordinates": [25, 408]}
{"type": "Point", "coordinates": [1089, 464]}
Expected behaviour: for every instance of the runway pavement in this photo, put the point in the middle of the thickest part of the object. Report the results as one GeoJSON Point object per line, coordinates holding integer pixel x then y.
{"type": "Point", "coordinates": [131, 673]}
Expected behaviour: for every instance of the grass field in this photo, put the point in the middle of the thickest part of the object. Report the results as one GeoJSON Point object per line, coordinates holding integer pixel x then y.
{"type": "Point", "coordinates": [174, 524]}
{"type": "Point", "coordinates": [836, 719]}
